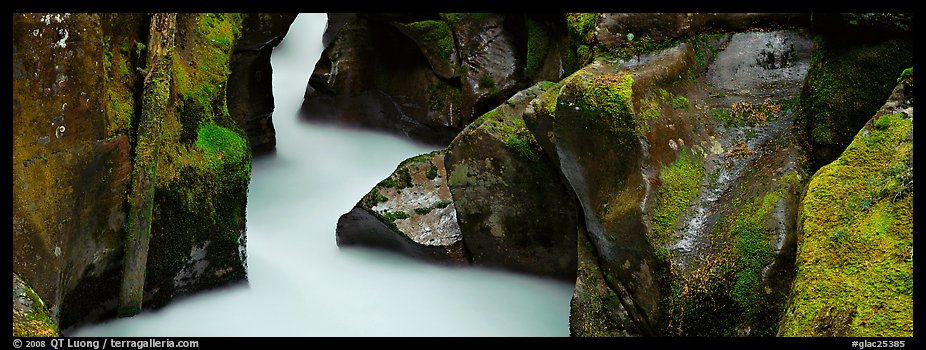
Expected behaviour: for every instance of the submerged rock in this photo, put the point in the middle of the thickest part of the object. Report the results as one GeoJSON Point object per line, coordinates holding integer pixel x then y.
{"type": "Point", "coordinates": [855, 259]}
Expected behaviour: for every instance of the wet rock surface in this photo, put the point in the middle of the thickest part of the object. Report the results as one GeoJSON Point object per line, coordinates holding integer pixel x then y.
{"type": "Point", "coordinates": [250, 89]}
{"type": "Point", "coordinates": [427, 76]}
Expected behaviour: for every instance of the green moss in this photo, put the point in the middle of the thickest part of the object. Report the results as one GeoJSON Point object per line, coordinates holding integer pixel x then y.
{"type": "Point", "coordinates": [537, 46]}
{"type": "Point", "coordinates": [545, 104]}
{"type": "Point", "coordinates": [442, 204]}
{"type": "Point", "coordinates": [607, 96]}
{"type": "Point", "coordinates": [422, 211]}
{"type": "Point", "coordinates": [680, 102]}
{"type": "Point", "coordinates": [846, 83]}
{"type": "Point", "coordinates": [390, 217]}
{"type": "Point", "coordinates": [30, 316]}
{"type": "Point", "coordinates": [855, 264]}
{"type": "Point", "coordinates": [487, 82]}
{"type": "Point", "coordinates": [372, 198]}
{"type": "Point", "coordinates": [581, 26]}
{"type": "Point", "coordinates": [906, 76]}
{"type": "Point", "coordinates": [432, 172]}
{"type": "Point", "coordinates": [437, 33]}
{"type": "Point", "coordinates": [680, 183]}
{"type": "Point", "coordinates": [220, 145]}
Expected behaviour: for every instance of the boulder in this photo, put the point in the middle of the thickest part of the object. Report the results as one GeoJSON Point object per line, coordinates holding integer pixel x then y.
{"type": "Point", "coordinates": [488, 185]}
{"type": "Point", "coordinates": [501, 181]}
{"type": "Point", "coordinates": [411, 212]}
{"type": "Point", "coordinates": [427, 76]}
{"type": "Point", "coordinates": [855, 260]}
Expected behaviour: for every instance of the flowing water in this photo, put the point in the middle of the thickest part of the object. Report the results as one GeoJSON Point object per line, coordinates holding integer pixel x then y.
{"type": "Point", "coordinates": [302, 284]}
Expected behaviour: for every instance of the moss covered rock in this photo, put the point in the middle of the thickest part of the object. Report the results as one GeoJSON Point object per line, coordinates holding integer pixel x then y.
{"type": "Point", "coordinates": [690, 216]}
{"type": "Point", "coordinates": [76, 82]}
{"type": "Point", "coordinates": [849, 79]}
{"type": "Point", "coordinates": [30, 316]}
{"type": "Point", "coordinates": [198, 233]}
{"type": "Point", "coordinates": [855, 259]}
{"type": "Point", "coordinates": [500, 179]}
{"type": "Point", "coordinates": [71, 155]}
{"type": "Point", "coordinates": [411, 211]}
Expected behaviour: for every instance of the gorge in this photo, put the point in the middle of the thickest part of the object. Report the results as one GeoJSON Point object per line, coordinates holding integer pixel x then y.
{"type": "Point", "coordinates": [612, 174]}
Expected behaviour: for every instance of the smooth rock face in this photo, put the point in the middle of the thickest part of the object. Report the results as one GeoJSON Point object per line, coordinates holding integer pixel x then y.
{"type": "Point", "coordinates": [855, 260]}
{"type": "Point", "coordinates": [514, 211]}
{"type": "Point", "coordinates": [75, 82]}
{"type": "Point", "coordinates": [411, 211]}
{"type": "Point", "coordinates": [250, 89]}
{"type": "Point", "coordinates": [428, 76]}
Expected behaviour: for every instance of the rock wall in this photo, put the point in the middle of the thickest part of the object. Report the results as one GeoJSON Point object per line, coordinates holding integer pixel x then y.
{"type": "Point", "coordinates": [76, 97]}
{"type": "Point", "coordinates": [427, 76]}
{"type": "Point", "coordinates": [250, 86]}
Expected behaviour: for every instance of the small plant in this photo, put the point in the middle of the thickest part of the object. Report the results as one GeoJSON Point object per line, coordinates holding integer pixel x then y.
{"type": "Point", "coordinates": [486, 82]}
{"type": "Point", "coordinates": [431, 173]}
{"type": "Point", "coordinates": [740, 150]}
{"type": "Point", "coordinates": [422, 211]}
{"type": "Point", "coordinates": [680, 102]}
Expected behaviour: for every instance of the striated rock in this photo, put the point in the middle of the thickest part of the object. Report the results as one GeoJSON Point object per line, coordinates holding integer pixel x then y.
{"type": "Point", "coordinates": [427, 76]}
{"type": "Point", "coordinates": [500, 181]}
{"type": "Point", "coordinates": [688, 186]}
{"type": "Point", "coordinates": [411, 211]}
{"type": "Point", "coordinates": [855, 260]}
{"type": "Point", "coordinates": [250, 88]}
{"type": "Point", "coordinates": [75, 82]}
{"type": "Point", "coordinates": [30, 316]}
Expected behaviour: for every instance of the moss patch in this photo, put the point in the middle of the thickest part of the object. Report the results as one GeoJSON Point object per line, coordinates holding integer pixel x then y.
{"type": "Point", "coordinates": [846, 84]}
{"type": "Point", "coordinates": [680, 183]}
{"type": "Point", "coordinates": [437, 33]}
{"type": "Point", "coordinates": [30, 316]}
{"type": "Point", "coordinates": [855, 261]}
{"type": "Point", "coordinates": [606, 96]}
{"type": "Point", "coordinates": [537, 46]}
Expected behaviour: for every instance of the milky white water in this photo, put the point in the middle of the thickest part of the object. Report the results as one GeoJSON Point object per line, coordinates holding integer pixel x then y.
{"type": "Point", "coordinates": [302, 284]}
